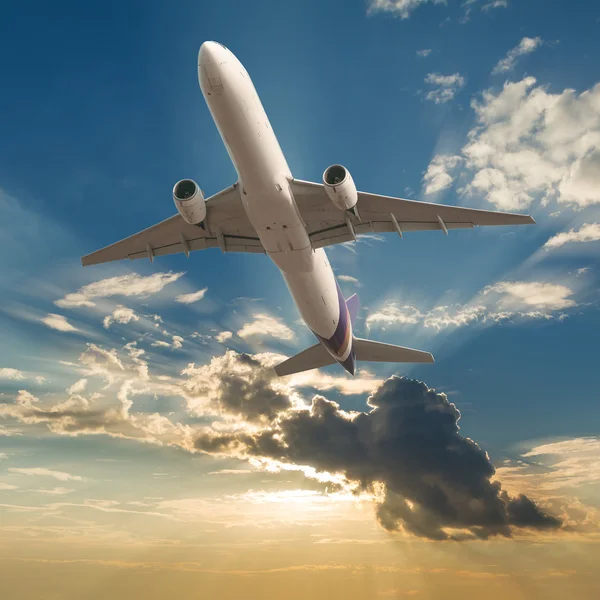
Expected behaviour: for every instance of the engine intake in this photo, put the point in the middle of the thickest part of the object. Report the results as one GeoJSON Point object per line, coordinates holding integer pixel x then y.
{"type": "Point", "coordinates": [340, 187]}
{"type": "Point", "coordinates": [189, 200]}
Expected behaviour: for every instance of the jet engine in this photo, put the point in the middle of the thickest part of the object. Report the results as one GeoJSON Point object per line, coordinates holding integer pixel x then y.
{"type": "Point", "coordinates": [340, 187]}
{"type": "Point", "coordinates": [189, 200]}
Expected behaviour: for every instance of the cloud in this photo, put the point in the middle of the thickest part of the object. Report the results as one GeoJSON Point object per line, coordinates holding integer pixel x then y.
{"type": "Point", "coordinates": [58, 322]}
{"type": "Point", "coordinates": [424, 53]}
{"type": "Point", "coordinates": [193, 297]}
{"type": "Point", "coordinates": [266, 325]}
{"type": "Point", "coordinates": [9, 373]}
{"type": "Point", "coordinates": [515, 295]}
{"type": "Point", "coordinates": [407, 451]}
{"type": "Point", "coordinates": [526, 46]}
{"type": "Point", "coordinates": [174, 345]}
{"type": "Point", "coordinates": [559, 472]}
{"type": "Point", "coordinates": [234, 384]}
{"type": "Point", "coordinates": [223, 336]}
{"type": "Point", "coordinates": [400, 8]}
{"type": "Point", "coordinates": [57, 491]}
{"type": "Point", "coordinates": [123, 285]}
{"type": "Point", "coordinates": [122, 315]}
{"type": "Point", "coordinates": [505, 300]}
{"type": "Point", "coordinates": [8, 432]}
{"type": "Point", "coordinates": [447, 86]}
{"type": "Point", "coordinates": [404, 8]}
{"type": "Point", "coordinates": [588, 232]}
{"type": "Point", "coordinates": [436, 177]}
{"type": "Point", "coordinates": [531, 144]}
{"type": "Point", "coordinates": [495, 4]}
{"type": "Point", "coordinates": [78, 387]}
{"type": "Point", "coordinates": [43, 472]}
{"type": "Point", "coordinates": [7, 487]}
{"type": "Point", "coordinates": [349, 279]}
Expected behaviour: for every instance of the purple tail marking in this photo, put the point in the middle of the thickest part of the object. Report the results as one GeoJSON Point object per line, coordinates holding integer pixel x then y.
{"type": "Point", "coordinates": [353, 305]}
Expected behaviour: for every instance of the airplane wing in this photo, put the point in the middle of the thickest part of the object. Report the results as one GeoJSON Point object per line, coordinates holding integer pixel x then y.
{"type": "Point", "coordinates": [227, 227]}
{"type": "Point", "coordinates": [327, 225]}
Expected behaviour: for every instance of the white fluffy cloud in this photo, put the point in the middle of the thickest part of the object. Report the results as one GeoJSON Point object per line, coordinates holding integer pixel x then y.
{"type": "Point", "coordinates": [424, 53]}
{"type": "Point", "coordinates": [123, 285]}
{"type": "Point", "coordinates": [122, 315]}
{"type": "Point", "coordinates": [588, 232]}
{"type": "Point", "coordinates": [530, 143]}
{"type": "Point", "coordinates": [43, 472]}
{"type": "Point", "coordinates": [266, 325]}
{"type": "Point", "coordinates": [496, 303]}
{"type": "Point", "coordinates": [58, 322]}
{"type": "Point", "coordinates": [193, 297]}
{"type": "Point", "coordinates": [446, 86]}
{"type": "Point", "coordinates": [9, 373]}
{"type": "Point", "coordinates": [223, 336]}
{"type": "Point", "coordinates": [437, 177]}
{"type": "Point", "coordinates": [526, 46]}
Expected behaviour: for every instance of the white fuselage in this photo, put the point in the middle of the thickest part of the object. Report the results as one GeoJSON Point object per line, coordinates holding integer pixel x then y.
{"type": "Point", "coordinates": [264, 178]}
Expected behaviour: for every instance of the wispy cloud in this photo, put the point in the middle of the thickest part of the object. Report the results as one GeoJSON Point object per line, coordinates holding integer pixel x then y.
{"type": "Point", "coordinates": [58, 322]}
{"type": "Point", "coordinates": [192, 297]}
{"type": "Point", "coordinates": [505, 300]}
{"type": "Point", "coordinates": [349, 279]}
{"type": "Point", "coordinates": [57, 491]}
{"type": "Point", "coordinates": [176, 344]}
{"type": "Point", "coordinates": [8, 487]}
{"type": "Point", "coordinates": [123, 285]}
{"type": "Point", "coordinates": [526, 46]}
{"type": "Point", "coordinates": [424, 53]}
{"type": "Point", "coordinates": [446, 86]}
{"type": "Point", "coordinates": [43, 472]}
{"type": "Point", "coordinates": [266, 325]}
{"type": "Point", "coordinates": [588, 232]}
{"type": "Point", "coordinates": [400, 8]}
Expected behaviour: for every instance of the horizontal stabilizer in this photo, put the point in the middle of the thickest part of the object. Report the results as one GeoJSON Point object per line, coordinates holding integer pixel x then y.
{"type": "Point", "coordinates": [370, 351]}
{"type": "Point", "coordinates": [312, 358]}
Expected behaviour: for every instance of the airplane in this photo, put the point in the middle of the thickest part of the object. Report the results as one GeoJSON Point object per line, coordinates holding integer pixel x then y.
{"type": "Point", "coordinates": [269, 211]}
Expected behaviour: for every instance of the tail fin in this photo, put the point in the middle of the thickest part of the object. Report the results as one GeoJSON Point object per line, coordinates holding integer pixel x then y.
{"type": "Point", "coordinates": [312, 358]}
{"type": "Point", "coordinates": [379, 352]}
{"type": "Point", "coordinates": [353, 305]}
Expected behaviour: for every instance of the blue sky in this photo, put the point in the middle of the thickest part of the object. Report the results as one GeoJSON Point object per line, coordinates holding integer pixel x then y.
{"type": "Point", "coordinates": [482, 104]}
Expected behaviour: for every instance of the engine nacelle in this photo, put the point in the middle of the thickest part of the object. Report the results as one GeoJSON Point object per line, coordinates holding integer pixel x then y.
{"type": "Point", "coordinates": [340, 187]}
{"type": "Point", "coordinates": [189, 200]}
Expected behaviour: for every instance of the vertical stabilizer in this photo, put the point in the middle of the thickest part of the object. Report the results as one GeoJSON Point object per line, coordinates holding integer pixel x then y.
{"type": "Point", "coordinates": [353, 305]}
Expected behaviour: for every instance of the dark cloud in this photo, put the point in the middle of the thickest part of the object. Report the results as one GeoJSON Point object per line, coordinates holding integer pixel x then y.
{"type": "Point", "coordinates": [251, 397]}
{"type": "Point", "coordinates": [236, 384]}
{"type": "Point", "coordinates": [437, 483]}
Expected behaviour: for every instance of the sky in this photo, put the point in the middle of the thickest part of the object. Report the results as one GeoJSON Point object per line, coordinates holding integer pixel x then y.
{"type": "Point", "coordinates": [146, 447]}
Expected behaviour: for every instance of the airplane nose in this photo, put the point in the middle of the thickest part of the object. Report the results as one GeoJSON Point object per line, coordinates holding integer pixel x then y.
{"type": "Point", "coordinates": [210, 58]}
{"type": "Point", "coordinates": [211, 54]}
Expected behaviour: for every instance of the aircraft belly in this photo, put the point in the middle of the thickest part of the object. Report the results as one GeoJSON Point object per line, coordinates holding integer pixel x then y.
{"type": "Point", "coordinates": [315, 294]}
